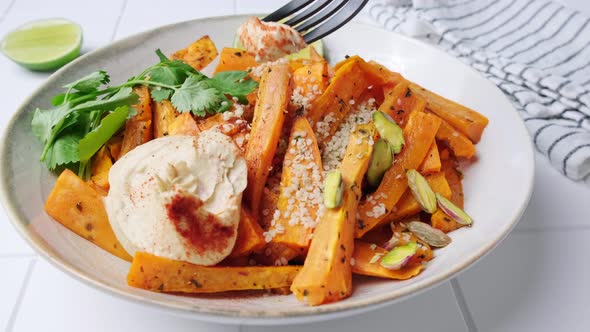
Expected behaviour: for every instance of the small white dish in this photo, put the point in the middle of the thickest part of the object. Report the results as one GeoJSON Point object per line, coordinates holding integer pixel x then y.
{"type": "Point", "coordinates": [497, 186]}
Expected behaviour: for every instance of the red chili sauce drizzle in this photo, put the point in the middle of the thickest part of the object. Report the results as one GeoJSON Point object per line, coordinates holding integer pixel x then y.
{"type": "Point", "coordinates": [202, 230]}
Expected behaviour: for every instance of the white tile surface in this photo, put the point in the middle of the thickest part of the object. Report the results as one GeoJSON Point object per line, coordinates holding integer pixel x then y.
{"type": "Point", "coordinates": [141, 15]}
{"type": "Point", "coordinates": [534, 281]}
{"type": "Point", "coordinates": [55, 302]}
{"type": "Point", "coordinates": [14, 271]}
{"type": "Point", "coordinates": [24, 82]}
{"type": "Point", "coordinates": [439, 303]}
{"type": "Point", "coordinates": [4, 6]}
{"type": "Point", "coordinates": [10, 242]}
{"type": "Point", "coordinates": [556, 202]}
{"type": "Point", "coordinates": [97, 18]}
{"type": "Point", "coordinates": [17, 89]}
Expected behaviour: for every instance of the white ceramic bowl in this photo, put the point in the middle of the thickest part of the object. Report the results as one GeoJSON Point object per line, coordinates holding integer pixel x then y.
{"type": "Point", "coordinates": [497, 186]}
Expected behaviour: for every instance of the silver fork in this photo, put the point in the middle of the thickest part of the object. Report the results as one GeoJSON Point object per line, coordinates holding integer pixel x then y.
{"type": "Point", "coordinates": [315, 19]}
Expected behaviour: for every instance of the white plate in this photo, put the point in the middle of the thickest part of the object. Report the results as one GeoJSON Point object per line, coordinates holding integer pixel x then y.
{"type": "Point", "coordinates": [497, 186]}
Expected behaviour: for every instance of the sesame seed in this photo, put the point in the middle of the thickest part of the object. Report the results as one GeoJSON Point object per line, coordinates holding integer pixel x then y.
{"type": "Point", "coordinates": [334, 149]}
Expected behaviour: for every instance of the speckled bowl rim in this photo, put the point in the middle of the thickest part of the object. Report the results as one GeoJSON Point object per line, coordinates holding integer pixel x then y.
{"type": "Point", "coordinates": [247, 316]}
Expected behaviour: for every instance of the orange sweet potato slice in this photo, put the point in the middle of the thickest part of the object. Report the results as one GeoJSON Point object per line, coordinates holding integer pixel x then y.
{"type": "Point", "coordinates": [164, 115]}
{"type": "Point", "coordinates": [381, 75]}
{"type": "Point", "coordinates": [311, 79]}
{"type": "Point", "coordinates": [466, 120]}
{"type": "Point", "coordinates": [268, 204]}
{"type": "Point", "coordinates": [439, 219]}
{"type": "Point", "coordinates": [366, 264]}
{"type": "Point", "coordinates": [101, 165]}
{"type": "Point", "coordinates": [273, 97]}
{"type": "Point", "coordinates": [455, 140]}
{"type": "Point", "coordinates": [185, 125]}
{"type": "Point", "coordinates": [114, 145]}
{"type": "Point", "coordinates": [77, 206]}
{"type": "Point", "coordinates": [198, 54]}
{"type": "Point", "coordinates": [234, 59]}
{"type": "Point", "coordinates": [378, 74]}
{"type": "Point", "coordinates": [408, 206]}
{"type": "Point", "coordinates": [164, 275]}
{"type": "Point", "coordinates": [302, 171]}
{"type": "Point", "coordinates": [431, 163]}
{"type": "Point", "coordinates": [419, 134]}
{"type": "Point", "coordinates": [326, 274]}
{"type": "Point", "coordinates": [399, 103]}
{"type": "Point", "coordinates": [334, 104]}
{"type": "Point", "coordinates": [275, 254]}
{"type": "Point", "coordinates": [249, 237]}
{"type": "Point", "coordinates": [138, 129]}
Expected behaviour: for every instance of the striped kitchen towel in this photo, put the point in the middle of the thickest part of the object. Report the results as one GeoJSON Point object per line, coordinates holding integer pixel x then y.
{"type": "Point", "coordinates": [537, 52]}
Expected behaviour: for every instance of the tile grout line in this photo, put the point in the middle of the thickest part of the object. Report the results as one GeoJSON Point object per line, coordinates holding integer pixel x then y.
{"type": "Point", "coordinates": [460, 297]}
{"type": "Point", "coordinates": [7, 11]}
{"type": "Point", "coordinates": [571, 228]}
{"type": "Point", "coordinates": [119, 19]}
{"type": "Point", "coordinates": [21, 295]}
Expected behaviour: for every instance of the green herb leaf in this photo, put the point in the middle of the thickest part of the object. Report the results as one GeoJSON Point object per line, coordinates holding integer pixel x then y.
{"type": "Point", "coordinates": [48, 124]}
{"type": "Point", "coordinates": [124, 97]}
{"type": "Point", "coordinates": [178, 65]}
{"type": "Point", "coordinates": [109, 125]}
{"type": "Point", "coordinates": [64, 150]}
{"type": "Point", "coordinates": [166, 74]}
{"type": "Point", "coordinates": [234, 83]}
{"type": "Point", "coordinates": [90, 82]}
{"type": "Point", "coordinates": [158, 93]}
{"type": "Point", "coordinates": [199, 98]}
{"type": "Point", "coordinates": [65, 97]}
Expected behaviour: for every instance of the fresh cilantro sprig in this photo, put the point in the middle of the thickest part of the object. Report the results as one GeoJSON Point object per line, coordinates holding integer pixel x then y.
{"type": "Point", "coordinates": [89, 113]}
{"type": "Point", "coordinates": [191, 91]}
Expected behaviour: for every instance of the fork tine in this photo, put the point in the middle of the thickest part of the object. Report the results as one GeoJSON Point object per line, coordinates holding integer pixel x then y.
{"type": "Point", "coordinates": [288, 9]}
{"type": "Point", "coordinates": [309, 11]}
{"type": "Point", "coordinates": [323, 14]}
{"type": "Point", "coordinates": [349, 11]}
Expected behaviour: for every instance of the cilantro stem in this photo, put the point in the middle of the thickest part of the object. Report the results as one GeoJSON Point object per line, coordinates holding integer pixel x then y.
{"type": "Point", "coordinates": [147, 82]}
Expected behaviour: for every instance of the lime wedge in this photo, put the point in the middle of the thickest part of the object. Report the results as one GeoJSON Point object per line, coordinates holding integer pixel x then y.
{"type": "Point", "coordinates": [303, 54]}
{"type": "Point", "coordinates": [43, 45]}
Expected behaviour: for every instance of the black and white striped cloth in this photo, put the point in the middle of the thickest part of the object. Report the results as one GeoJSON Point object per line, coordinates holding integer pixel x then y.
{"type": "Point", "coordinates": [537, 52]}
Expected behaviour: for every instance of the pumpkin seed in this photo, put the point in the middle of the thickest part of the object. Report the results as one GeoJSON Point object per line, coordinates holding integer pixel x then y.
{"type": "Point", "coordinates": [389, 131]}
{"type": "Point", "coordinates": [453, 210]}
{"type": "Point", "coordinates": [421, 191]}
{"type": "Point", "coordinates": [381, 161]}
{"type": "Point", "coordinates": [432, 236]}
{"type": "Point", "coordinates": [333, 189]}
{"type": "Point", "coordinates": [399, 256]}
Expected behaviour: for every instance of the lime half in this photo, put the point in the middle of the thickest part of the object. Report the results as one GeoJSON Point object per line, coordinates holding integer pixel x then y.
{"type": "Point", "coordinates": [43, 45]}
